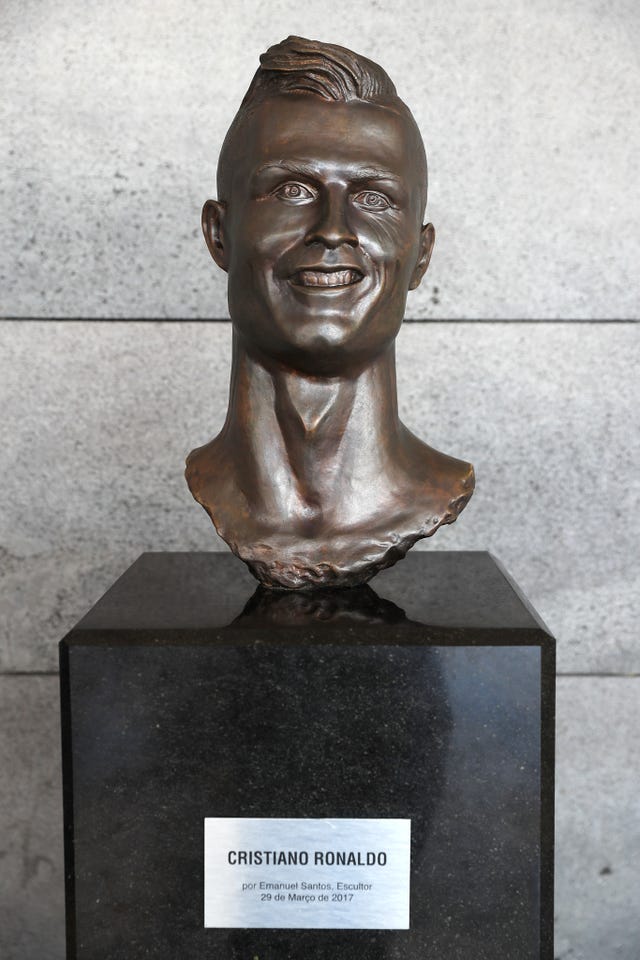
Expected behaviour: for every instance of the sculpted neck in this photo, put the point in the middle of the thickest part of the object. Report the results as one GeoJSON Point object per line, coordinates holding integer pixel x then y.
{"type": "Point", "coordinates": [314, 481]}
{"type": "Point", "coordinates": [313, 444]}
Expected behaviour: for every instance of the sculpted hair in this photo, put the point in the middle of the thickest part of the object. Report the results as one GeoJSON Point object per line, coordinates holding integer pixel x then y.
{"type": "Point", "coordinates": [298, 65]}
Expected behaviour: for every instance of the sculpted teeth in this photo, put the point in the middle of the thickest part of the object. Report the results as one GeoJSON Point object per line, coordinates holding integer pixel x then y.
{"type": "Point", "coordinates": [322, 278]}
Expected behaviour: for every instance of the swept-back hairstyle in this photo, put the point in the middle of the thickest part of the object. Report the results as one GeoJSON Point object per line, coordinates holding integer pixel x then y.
{"type": "Point", "coordinates": [298, 65]}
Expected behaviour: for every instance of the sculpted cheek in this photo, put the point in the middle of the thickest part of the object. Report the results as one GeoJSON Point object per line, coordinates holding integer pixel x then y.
{"type": "Point", "coordinates": [386, 239]}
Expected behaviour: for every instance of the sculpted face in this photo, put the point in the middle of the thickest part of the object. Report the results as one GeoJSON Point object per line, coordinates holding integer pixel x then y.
{"type": "Point", "coordinates": [320, 228]}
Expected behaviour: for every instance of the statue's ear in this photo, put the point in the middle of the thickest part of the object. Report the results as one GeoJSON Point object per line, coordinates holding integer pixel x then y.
{"type": "Point", "coordinates": [213, 214]}
{"type": "Point", "coordinates": [427, 240]}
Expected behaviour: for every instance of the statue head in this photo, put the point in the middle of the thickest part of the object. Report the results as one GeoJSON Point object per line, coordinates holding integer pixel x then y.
{"type": "Point", "coordinates": [322, 187]}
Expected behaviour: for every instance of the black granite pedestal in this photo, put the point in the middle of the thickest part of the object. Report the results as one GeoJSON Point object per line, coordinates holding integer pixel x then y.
{"type": "Point", "coordinates": [429, 696]}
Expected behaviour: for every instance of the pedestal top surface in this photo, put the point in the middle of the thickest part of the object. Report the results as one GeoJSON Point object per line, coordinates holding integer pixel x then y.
{"type": "Point", "coordinates": [201, 591]}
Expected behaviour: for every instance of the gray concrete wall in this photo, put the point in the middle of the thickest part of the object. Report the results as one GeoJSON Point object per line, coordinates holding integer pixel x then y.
{"type": "Point", "coordinates": [112, 115]}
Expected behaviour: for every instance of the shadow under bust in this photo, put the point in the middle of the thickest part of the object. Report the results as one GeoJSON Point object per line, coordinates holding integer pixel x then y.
{"type": "Point", "coordinates": [322, 180]}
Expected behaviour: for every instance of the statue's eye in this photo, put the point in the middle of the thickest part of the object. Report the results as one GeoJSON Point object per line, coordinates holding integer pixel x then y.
{"type": "Point", "coordinates": [295, 192]}
{"type": "Point", "coordinates": [371, 200]}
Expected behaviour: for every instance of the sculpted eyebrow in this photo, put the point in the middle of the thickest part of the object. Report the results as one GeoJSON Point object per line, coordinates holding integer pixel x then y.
{"type": "Point", "coordinates": [292, 166]}
{"type": "Point", "coordinates": [309, 170]}
{"type": "Point", "coordinates": [369, 173]}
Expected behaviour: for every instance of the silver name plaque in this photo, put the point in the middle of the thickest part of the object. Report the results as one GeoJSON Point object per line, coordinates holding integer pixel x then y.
{"type": "Point", "coordinates": [304, 873]}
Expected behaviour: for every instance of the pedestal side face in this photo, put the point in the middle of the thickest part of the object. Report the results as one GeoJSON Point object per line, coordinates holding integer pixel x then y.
{"type": "Point", "coordinates": [160, 737]}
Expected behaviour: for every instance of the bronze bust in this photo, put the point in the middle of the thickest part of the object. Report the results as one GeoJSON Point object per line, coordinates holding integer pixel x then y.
{"type": "Point", "coordinates": [322, 186]}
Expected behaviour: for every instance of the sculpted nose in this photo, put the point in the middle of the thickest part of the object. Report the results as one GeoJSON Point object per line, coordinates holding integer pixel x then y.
{"type": "Point", "coordinates": [332, 227]}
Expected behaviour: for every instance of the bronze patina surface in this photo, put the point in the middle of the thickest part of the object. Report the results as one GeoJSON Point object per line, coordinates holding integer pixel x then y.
{"type": "Point", "coordinates": [322, 186]}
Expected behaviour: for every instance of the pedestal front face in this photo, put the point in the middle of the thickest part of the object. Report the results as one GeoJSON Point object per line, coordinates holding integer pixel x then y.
{"type": "Point", "coordinates": [385, 784]}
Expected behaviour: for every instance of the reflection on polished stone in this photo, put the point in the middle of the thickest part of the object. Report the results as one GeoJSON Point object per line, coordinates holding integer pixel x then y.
{"type": "Point", "coordinates": [355, 604]}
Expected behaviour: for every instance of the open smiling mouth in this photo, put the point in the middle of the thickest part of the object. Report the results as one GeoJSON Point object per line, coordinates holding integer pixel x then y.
{"type": "Point", "coordinates": [337, 277]}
